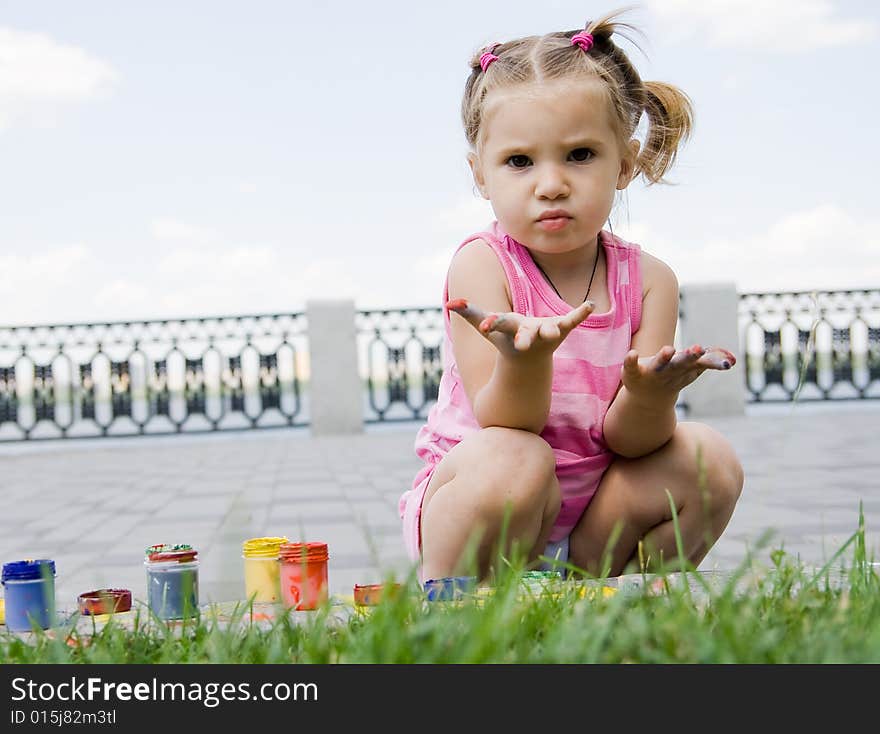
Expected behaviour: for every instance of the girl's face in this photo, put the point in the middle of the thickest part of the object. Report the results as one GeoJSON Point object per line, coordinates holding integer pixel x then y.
{"type": "Point", "coordinates": [549, 162]}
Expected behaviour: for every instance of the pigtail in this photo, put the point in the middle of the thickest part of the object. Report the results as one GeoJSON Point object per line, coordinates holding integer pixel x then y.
{"type": "Point", "coordinates": [470, 105]}
{"type": "Point", "coordinates": [670, 122]}
{"type": "Point", "coordinates": [608, 25]}
{"type": "Point", "coordinates": [669, 110]}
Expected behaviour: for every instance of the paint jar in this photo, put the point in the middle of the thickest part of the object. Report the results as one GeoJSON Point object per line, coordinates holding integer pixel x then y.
{"type": "Point", "coordinates": [172, 581]}
{"type": "Point", "coordinates": [262, 568]}
{"type": "Point", "coordinates": [303, 574]}
{"type": "Point", "coordinates": [370, 595]}
{"type": "Point", "coordinates": [540, 581]}
{"type": "Point", "coordinates": [104, 601]}
{"type": "Point", "coordinates": [450, 588]}
{"type": "Point", "coordinates": [30, 594]}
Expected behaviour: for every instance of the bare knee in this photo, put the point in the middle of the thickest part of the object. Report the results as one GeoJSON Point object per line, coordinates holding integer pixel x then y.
{"type": "Point", "coordinates": [518, 469]}
{"type": "Point", "coordinates": [717, 469]}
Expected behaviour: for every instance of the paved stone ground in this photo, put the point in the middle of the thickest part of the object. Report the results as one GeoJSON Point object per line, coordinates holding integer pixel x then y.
{"type": "Point", "coordinates": [93, 505]}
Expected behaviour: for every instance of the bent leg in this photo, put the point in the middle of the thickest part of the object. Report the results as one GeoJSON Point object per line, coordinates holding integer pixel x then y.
{"type": "Point", "coordinates": [489, 474]}
{"type": "Point", "coordinates": [632, 497]}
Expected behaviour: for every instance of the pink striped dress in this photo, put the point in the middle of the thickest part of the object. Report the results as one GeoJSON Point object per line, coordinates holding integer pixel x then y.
{"type": "Point", "coordinates": [586, 373]}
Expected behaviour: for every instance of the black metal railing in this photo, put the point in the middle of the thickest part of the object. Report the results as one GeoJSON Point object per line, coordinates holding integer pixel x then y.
{"type": "Point", "coordinates": [234, 372]}
{"type": "Point", "coordinates": [811, 345]}
{"type": "Point", "coordinates": [401, 362]}
{"type": "Point", "coordinates": [151, 377]}
{"type": "Point", "coordinates": [400, 353]}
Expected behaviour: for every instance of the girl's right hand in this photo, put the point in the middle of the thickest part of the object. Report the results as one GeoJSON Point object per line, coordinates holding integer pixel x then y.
{"type": "Point", "coordinates": [513, 334]}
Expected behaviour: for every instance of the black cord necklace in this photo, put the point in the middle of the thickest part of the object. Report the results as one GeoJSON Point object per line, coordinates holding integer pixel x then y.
{"type": "Point", "coordinates": [547, 277]}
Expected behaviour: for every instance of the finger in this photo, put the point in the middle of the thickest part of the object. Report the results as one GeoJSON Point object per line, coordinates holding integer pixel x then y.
{"type": "Point", "coordinates": [488, 323]}
{"type": "Point", "coordinates": [687, 357]}
{"type": "Point", "coordinates": [631, 362]}
{"type": "Point", "coordinates": [501, 323]}
{"type": "Point", "coordinates": [525, 336]}
{"type": "Point", "coordinates": [549, 330]}
{"type": "Point", "coordinates": [470, 312]}
{"type": "Point", "coordinates": [717, 358]}
{"type": "Point", "coordinates": [575, 316]}
{"type": "Point", "coordinates": [661, 360]}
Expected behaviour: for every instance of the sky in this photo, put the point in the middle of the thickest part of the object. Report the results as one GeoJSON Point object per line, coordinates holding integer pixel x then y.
{"type": "Point", "coordinates": [171, 159]}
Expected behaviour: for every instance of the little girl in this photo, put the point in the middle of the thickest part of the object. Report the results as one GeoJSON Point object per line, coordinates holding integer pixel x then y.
{"type": "Point", "coordinates": [555, 427]}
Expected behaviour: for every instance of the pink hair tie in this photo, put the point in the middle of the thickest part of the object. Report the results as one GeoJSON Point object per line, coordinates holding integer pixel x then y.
{"type": "Point", "coordinates": [488, 57]}
{"type": "Point", "coordinates": [584, 40]}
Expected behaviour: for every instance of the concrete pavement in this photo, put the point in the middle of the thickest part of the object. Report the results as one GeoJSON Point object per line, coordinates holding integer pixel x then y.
{"type": "Point", "coordinates": [94, 505]}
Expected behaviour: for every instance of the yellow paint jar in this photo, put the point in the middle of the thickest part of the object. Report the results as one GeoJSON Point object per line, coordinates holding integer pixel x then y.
{"type": "Point", "coordinates": [261, 568]}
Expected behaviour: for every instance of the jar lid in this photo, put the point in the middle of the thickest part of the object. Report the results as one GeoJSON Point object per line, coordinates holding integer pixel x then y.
{"type": "Point", "coordinates": [262, 547]}
{"type": "Point", "coordinates": [541, 576]}
{"type": "Point", "coordinates": [303, 552]}
{"type": "Point", "coordinates": [370, 595]}
{"type": "Point", "coordinates": [180, 553]}
{"type": "Point", "coordinates": [450, 587]}
{"type": "Point", "coordinates": [28, 570]}
{"type": "Point", "coordinates": [105, 601]}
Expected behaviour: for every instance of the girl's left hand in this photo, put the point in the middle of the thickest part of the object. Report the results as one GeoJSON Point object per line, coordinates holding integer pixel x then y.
{"type": "Point", "coordinates": [669, 371]}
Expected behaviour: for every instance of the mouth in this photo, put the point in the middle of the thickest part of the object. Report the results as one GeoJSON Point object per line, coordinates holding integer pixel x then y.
{"type": "Point", "coordinates": [554, 220]}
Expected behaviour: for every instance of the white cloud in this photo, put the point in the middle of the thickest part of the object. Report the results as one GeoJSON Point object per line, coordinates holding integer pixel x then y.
{"type": "Point", "coordinates": [249, 279]}
{"type": "Point", "coordinates": [444, 234]}
{"type": "Point", "coordinates": [781, 26]}
{"type": "Point", "coordinates": [821, 248]}
{"type": "Point", "coordinates": [38, 287]}
{"type": "Point", "coordinates": [122, 296]}
{"type": "Point", "coordinates": [192, 280]}
{"type": "Point", "coordinates": [38, 75]}
{"type": "Point", "coordinates": [466, 215]}
{"type": "Point", "coordinates": [168, 228]}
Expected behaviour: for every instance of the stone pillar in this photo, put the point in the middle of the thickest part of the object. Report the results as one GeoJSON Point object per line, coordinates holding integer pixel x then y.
{"type": "Point", "coordinates": [710, 318]}
{"type": "Point", "coordinates": [335, 389]}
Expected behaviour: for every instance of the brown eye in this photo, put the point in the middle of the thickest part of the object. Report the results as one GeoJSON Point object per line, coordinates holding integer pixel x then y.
{"type": "Point", "coordinates": [518, 161]}
{"type": "Point", "coordinates": [581, 155]}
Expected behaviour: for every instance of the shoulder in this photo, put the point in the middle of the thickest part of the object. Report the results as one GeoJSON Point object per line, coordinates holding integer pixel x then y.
{"type": "Point", "coordinates": [476, 252]}
{"type": "Point", "coordinates": [660, 307]}
{"type": "Point", "coordinates": [476, 273]}
{"type": "Point", "coordinates": [657, 276]}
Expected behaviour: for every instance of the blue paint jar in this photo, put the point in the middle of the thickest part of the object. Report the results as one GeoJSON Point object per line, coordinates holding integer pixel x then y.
{"type": "Point", "coordinates": [172, 581]}
{"type": "Point", "coordinates": [30, 594]}
{"type": "Point", "coordinates": [450, 588]}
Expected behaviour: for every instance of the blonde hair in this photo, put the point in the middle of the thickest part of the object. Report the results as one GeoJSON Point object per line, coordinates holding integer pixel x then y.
{"type": "Point", "coordinates": [535, 59]}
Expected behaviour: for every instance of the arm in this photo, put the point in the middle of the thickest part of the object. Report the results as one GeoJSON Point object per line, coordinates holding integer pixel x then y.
{"type": "Point", "coordinates": [505, 359]}
{"type": "Point", "coordinates": [641, 417]}
{"type": "Point", "coordinates": [638, 423]}
{"type": "Point", "coordinates": [489, 378]}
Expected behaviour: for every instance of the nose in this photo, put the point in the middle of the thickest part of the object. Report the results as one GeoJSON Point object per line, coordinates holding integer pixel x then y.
{"type": "Point", "coordinates": [551, 183]}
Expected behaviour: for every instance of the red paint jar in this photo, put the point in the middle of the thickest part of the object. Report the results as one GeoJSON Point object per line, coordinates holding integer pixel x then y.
{"type": "Point", "coordinates": [371, 595]}
{"type": "Point", "coordinates": [303, 574]}
{"type": "Point", "coordinates": [105, 601]}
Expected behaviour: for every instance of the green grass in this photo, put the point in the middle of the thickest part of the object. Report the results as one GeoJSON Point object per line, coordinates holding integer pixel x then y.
{"type": "Point", "coordinates": [775, 612]}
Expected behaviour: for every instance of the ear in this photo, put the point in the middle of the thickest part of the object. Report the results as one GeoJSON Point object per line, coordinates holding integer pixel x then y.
{"type": "Point", "coordinates": [628, 164]}
{"type": "Point", "coordinates": [477, 170]}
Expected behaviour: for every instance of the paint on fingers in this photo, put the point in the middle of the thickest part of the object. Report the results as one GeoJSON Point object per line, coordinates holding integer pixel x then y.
{"type": "Point", "coordinates": [487, 324]}
{"type": "Point", "coordinates": [522, 342]}
{"type": "Point", "coordinates": [720, 358]}
{"type": "Point", "coordinates": [665, 360]}
{"type": "Point", "coordinates": [631, 360]}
